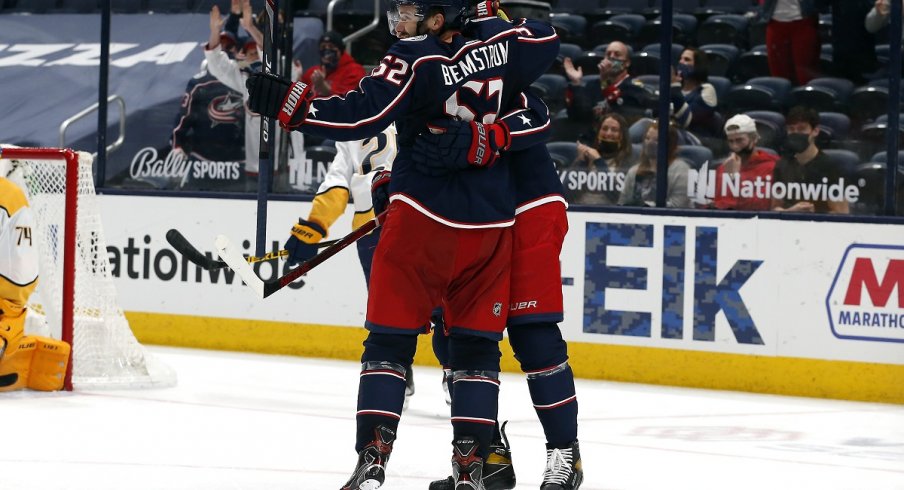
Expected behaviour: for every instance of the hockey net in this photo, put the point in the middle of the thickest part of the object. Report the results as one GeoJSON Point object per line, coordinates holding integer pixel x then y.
{"type": "Point", "coordinates": [75, 299]}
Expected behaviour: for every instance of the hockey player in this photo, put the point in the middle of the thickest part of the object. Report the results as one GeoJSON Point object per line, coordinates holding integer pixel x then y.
{"type": "Point", "coordinates": [446, 240]}
{"type": "Point", "coordinates": [349, 175]}
{"type": "Point", "coordinates": [233, 74]}
{"type": "Point", "coordinates": [536, 292]}
{"type": "Point", "coordinates": [26, 361]}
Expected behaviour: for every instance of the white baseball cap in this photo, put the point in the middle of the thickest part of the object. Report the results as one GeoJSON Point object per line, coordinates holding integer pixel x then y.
{"type": "Point", "coordinates": [740, 124]}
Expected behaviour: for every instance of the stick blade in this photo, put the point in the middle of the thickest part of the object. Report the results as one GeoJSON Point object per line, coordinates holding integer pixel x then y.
{"type": "Point", "coordinates": [234, 259]}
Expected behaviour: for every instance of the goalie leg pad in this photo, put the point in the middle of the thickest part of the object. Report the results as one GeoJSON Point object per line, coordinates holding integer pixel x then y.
{"type": "Point", "coordinates": [38, 363]}
{"type": "Point", "coordinates": [15, 364]}
{"type": "Point", "coordinates": [48, 364]}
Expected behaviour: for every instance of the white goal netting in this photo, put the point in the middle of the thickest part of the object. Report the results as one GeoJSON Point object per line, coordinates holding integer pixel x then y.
{"type": "Point", "coordinates": [105, 353]}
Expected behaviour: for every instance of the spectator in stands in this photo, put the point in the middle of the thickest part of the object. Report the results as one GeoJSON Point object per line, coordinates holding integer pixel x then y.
{"type": "Point", "coordinates": [803, 180]}
{"type": "Point", "coordinates": [233, 74]}
{"type": "Point", "coordinates": [853, 45]}
{"type": "Point", "coordinates": [878, 16]}
{"type": "Point", "coordinates": [792, 38]}
{"type": "Point", "coordinates": [742, 178]}
{"type": "Point", "coordinates": [337, 72]}
{"type": "Point", "coordinates": [210, 122]}
{"type": "Point", "coordinates": [640, 182]}
{"type": "Point", "coordinates": [696, 104]}
{"type": "Point", "coordinates": [586, 102]}
{"type": "Point", "coordinates": [597, 174]}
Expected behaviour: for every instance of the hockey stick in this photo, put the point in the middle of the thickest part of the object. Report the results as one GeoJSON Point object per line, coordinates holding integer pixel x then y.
{"type": "Point", "coordinates": [233, 257]}
{"type": "Point", "coordinates": [178, 242]}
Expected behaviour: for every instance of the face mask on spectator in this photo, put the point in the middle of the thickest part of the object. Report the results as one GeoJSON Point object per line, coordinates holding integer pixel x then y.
{"type": "Point", "coordinates": [329, 58]}
{"type": "Point", "coordinates": [650, 148]}
{"type": "Point", "coordinates": [618, 66]}
{"type": "Point", "coordinates": [797, 142]}
{"type": "Point", "coordinates": [608, 147]}
{"type": "Point", "coordinates": [684, 70]}
{"type": "Point", "coordinates": [746, 151]}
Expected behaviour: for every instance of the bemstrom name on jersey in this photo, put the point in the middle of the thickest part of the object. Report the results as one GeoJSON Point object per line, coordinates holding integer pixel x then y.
{"type": "Point", "coordinates": [482, 58]}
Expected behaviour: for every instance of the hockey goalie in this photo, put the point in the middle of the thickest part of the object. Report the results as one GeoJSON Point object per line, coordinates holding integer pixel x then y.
{"type": "Point", "coordinates": [26, 361]}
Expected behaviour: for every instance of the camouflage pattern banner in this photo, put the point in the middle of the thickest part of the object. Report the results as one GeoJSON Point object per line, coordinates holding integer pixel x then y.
{"type": "Point", "coordinates": [741, 286]}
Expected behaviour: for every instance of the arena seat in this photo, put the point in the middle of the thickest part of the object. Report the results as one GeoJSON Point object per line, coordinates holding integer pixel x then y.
{"type": "Point", "coordinates": [570, 27]}
{"type": "Point", "coordinates": [761, 93]}
{"type": "Point", "coordinates": [562, 152]}
{"type": "Point", "coordinates": [751, 64]}
{"type": "Point", "coordinates": [845, 160]}
{"type": "Point", "coordinates": [589, 61]}
{"type": "Point", "coordinates": [872, 193]}
{"type": "Point", "coordinates": [835, 125]}
{"type": "Point", "coordinates": [551, 88]}
{"type": "Point", "coordinates": [727, 6]}
{"type": "Point", "coordinates": [695, 155]}
{"type": "Point", "coordinates": [723, 29]}
{"type": "Point", "coordinates": [721, 84]}
{"type": "Point", "coordinates": [721, 58]}
{"type": "Point", "coordinates": [770, 125]}
{"type": "Point", "coordinates": [621, 27]}
{"type": "Point", "coordinates": [823, 94]}
{"type": "Point", "coordinates": [882, 157]}
{"type": "Point", "coordinates": [868, 102]}
{"type": "Point", "coordinates": [654, 48]}
{"type": "Point", "coordinates": [678, 6]}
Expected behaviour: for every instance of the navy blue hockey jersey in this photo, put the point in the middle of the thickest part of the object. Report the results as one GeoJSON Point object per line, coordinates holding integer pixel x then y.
{"type": "Point", "coordinates": [211, 121]}
{"type": "Point", "coordinates": [423, 78]}
{"type": "Point", "coordinates": [535, 177]}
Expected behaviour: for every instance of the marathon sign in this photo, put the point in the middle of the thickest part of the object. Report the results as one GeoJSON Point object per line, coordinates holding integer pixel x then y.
{"type": "Point", "coordinates": [866, 299]}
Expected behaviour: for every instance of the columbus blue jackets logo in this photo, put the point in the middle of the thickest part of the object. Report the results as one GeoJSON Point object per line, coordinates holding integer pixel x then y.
{"type": "Point", "coordinates": [225, 109]}
{"type": "Point", "coordinates": [497, 309]}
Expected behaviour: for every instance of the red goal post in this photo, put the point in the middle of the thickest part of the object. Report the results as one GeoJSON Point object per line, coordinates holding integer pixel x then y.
{"type": "Point", "coordinates": [75, 299]}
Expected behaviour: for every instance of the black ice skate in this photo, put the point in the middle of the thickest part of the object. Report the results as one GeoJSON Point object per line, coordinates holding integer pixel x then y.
{"type": "Point", "coordinates": [370, 471]}
{"type": "Point", "coordinates": [498, 472]}
{"type": "Point", "coordinates": [467, 466]}
{"type": "Point", "coordinates": [563, 469]}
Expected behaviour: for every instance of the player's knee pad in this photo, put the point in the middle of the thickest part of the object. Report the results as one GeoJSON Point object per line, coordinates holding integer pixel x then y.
{"type": "Point", "coordinates": [384, 347]}
{"type": "Point", "coordinates": [35, 362]}
{"type": "Point", "coordinates": [538, 345]}
{"type": "Point", "coordinates": [471, 352]}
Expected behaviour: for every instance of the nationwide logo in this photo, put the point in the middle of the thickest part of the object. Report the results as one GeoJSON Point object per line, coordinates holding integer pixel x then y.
{"type": "Point", "coordinates": [866, 300]}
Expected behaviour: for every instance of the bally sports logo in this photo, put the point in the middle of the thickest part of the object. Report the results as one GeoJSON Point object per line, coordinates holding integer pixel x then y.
{"type": "Point", "coordinates": [866, 300]}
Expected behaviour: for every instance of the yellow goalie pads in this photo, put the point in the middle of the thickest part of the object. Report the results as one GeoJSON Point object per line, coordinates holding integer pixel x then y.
{"type": "Point", "coordinates": [34, 362]}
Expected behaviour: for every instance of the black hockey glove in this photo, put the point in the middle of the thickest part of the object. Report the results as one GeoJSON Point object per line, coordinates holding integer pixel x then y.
{"type": "Point", "coordinates": [451, 146]}
{"type": "Point", "coordinates": [379, 191]}
{"type": "Point", "coordinates": [302, 244]}
{"type": "Point", "coordinates": [272, 96]}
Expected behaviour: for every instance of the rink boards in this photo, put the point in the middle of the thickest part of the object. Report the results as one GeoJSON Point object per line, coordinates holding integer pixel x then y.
{"type": "Point", "coordinates": [762, 305]}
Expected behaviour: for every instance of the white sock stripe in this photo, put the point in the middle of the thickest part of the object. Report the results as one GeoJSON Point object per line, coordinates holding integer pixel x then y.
{"type": "Point", "coordinates": [475, 420]}
{"type": "Point", "coordinates": [556, 404]}
{"type": "Point", "coordinates": [547, 371]}
{"type": "Point", "coordinates": [379, 412]}
{"type": "Point", "coordinates": [478, 380]}
{"type": "Point", "coordinates": [386, 373]}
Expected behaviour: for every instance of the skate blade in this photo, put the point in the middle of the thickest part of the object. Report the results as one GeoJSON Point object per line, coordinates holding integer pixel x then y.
{"type": "Point", "coordinates": [369, 485]}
